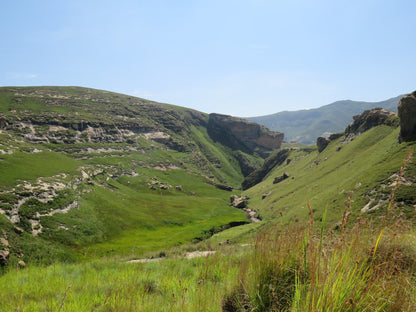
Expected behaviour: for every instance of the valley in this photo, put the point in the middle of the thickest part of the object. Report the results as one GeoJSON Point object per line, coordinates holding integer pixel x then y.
{"type": "Point", "coordinates": [92, 179]}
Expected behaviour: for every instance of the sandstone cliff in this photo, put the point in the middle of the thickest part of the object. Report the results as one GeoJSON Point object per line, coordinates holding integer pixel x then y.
{"type": "Point", "coordinates": [241, 134]}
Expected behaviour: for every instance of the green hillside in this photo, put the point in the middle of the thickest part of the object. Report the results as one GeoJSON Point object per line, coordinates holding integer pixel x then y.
{"type": "Point", "coordinates": [356, 169]}
{"type": "Point", "coordinates": [88, 173]}
{"type": "Point", "coordinates": [305, 126]}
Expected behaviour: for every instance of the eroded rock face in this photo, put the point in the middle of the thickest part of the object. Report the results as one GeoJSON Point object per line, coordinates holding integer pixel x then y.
{"type": "Point", "coordinates": [369, 119]}
{"type": "Point", "coordinates": [240, 134]}
{"type": "Point", "coordinates": [407, 115]}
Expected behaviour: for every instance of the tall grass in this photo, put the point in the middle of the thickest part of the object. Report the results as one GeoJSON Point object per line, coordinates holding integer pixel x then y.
{"type": "Point", "coordinates": [304, 268]}
{"type": "Point", "coordinates": [112, 285]}
{"type": "Point", "coordinates": [364, 266]}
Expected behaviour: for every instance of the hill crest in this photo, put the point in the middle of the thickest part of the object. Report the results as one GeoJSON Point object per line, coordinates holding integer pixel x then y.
{"type": "Point", "coordinates": [305, 126]}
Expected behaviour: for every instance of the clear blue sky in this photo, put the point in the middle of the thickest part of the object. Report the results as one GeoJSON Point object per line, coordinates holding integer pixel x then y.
{"type": "Point", "coordinates": [239, 57]}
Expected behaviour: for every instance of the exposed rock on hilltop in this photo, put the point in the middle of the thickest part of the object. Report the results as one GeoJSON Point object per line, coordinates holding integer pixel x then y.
{"type": "Point", "coordinates": [363, 122]}
{"type": "Point", "coordinates": [407, 114]}
{"type": "Point", "coordinates": [371, 118]}
{"type": "Point", "coordinates": [240, 134]}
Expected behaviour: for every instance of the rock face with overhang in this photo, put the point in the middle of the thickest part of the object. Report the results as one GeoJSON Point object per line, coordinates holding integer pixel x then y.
{"type": "Point", "coordinates": [407, 115]}
{"type": "Point", "coordinates": [241, 134]}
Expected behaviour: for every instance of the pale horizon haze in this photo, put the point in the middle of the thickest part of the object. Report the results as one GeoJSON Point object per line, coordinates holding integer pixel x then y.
{"type": "Point", "coordinates": [239, 57]}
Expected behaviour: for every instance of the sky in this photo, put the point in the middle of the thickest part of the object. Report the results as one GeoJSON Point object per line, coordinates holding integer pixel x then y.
{"type": "Point", "coordinates": [239, 57]}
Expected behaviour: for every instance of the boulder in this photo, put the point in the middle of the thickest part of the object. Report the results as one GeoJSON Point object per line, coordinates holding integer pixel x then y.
{"type": "Point", "coordinates": [4, 242]}
{"type": "Point", "coordinates": [322, 143]}
{"type": "Point", "coordinates": [4, 256]}
{"type": "Point", "coordinates": [238, 201]}
{"type": "Point", "coordinates": [18, 230]}
{"type": "Point", "coordinates": [407, 115]}
{"type": "Point", "coordinates": [21, 264]}
{"type": "Point", "coordinates": [265, 195]}
{"type": "Point", "coordinates": [279, 179]}
{"type": "Point", "coordinates": [3, 122]}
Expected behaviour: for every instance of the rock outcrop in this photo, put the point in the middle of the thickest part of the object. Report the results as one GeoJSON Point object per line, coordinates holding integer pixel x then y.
{"type": "Point", "coordinates": [279, 179]}
{"type": "Point", "coordinates": [335, 136]}
{"type": "Point", "coordinates": [322, 143]}
{"type": "Point", "coordinates": [258, 175]}
{"type": "Point", "coordinates": [3, 122]}
{"type": "Point", "coordinates": [265, 195]}
{"type": "Point", "coordinates": [4, 253]}
{"type": "Point", "coordinates": [238, 201]}
{"type": "Point", "coordinates": [4, 256]}
{"type": "Point", "coordinates": [241, 134]}
{"type": "Point", "coordinates": [407, 115]}
{"type": "Point", "coordinates": [371, 118]}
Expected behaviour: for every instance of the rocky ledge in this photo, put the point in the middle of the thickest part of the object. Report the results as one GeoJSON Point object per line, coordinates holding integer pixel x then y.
{"type": "Point", "coordinates": [371, 118]}
{"type": "Point", "coordinates": [241, 134]}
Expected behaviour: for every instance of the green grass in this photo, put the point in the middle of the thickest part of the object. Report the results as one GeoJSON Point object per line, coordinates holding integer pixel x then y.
{"type": "Point", "coordinates": [172, 285]}
{"type": "Point", "coordinates": [125, 217]}
{"type": "Point", "coordinates": [299, 268]}
{"type": "Point", "coordinates": [326, 179]}
{"type": "Point", "coordinates": [218, 154]}
{"type": "Point", "coordinates": [20, 166]}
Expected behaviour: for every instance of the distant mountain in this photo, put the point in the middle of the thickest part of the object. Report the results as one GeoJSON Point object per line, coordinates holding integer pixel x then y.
{"type": "Point", "coordinates": [305, 126]}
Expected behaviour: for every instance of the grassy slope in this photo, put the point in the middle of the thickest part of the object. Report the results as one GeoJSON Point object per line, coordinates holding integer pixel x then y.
{"type": "Point", "coordinates": [118, 213]}
{"type": "Point", "coordinates": [326, 179]}
{"type": "Point", "coordinates": [140, 220]}
{"type": "Point", "coordinates": [124, 216]}
{"type": "Point", "coordinates": [21, 166]}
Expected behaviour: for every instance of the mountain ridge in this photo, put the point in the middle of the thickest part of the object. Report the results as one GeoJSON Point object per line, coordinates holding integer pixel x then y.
{"type": "Point", "coordinates": [305, 126]}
